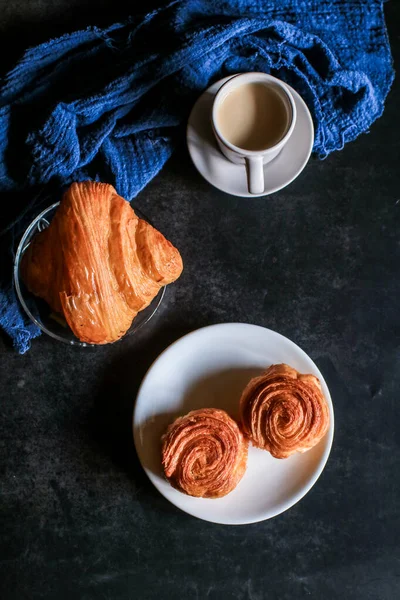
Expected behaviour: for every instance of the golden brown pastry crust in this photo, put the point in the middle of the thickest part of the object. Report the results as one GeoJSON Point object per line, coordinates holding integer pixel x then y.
{"type": "Point", "coordinates": [283, 411]}
{"type": "Point", "coordinates": [98, 264]}
{"type": "Point", "coordinates": [204, 453]}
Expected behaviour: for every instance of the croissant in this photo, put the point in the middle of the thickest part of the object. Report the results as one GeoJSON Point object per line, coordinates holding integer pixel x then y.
{"type": "Point", "coordinates": [97, 263]}
{"type": "Point", "coordinates": [283, 411]}
{"type": "Point", "coordinates": [204, 453]}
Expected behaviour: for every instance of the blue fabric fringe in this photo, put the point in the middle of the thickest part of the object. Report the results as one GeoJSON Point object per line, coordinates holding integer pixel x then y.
{"type": "Point", "coordinates": [106, 103]}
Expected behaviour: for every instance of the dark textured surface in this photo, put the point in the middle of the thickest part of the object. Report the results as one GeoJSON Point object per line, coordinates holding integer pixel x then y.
{"type": "Point", "coordinates": [320, 263]}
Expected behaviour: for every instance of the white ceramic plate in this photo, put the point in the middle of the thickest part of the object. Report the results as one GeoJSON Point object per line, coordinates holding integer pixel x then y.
{"type": "Point", "coordinates": [209, 368]}
{"type": "Point", "coordinates": [231, 178]}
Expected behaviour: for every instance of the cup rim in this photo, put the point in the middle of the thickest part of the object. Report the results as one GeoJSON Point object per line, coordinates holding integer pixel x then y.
{"type": "Point", "coordinates": [257, 75]}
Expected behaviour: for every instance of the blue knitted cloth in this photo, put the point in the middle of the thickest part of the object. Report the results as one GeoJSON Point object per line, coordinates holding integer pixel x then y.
{"type": "Point", "coordinates": [107, 103]}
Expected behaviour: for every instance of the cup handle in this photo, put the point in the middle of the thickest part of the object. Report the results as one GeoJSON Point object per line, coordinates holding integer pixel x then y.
{"type": "Point", "coordinates": [255, 174]}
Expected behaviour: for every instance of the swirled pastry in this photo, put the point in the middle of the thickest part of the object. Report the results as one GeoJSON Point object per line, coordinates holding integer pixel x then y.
{"type": "Point", "coordinates": [284, 411]}
{"type": "Point", "coordinates": [204, 453]}
{"type": "Point", "coordinates": [97, 263]}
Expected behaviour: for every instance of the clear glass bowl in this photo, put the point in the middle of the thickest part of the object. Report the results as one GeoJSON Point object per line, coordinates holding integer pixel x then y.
{"type": "Point", "coordinates": [39, 311]}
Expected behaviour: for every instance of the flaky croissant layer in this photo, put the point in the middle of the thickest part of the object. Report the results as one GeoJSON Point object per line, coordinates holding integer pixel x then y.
{"type": "Point", "coordinates": [204, 453]}
{"type": "Point", "coordinates": [283, 411]}
{"type": "Point", "coordinates": [97, 263]}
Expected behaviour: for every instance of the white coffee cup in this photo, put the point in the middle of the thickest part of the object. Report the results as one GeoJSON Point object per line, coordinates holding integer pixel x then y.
{"type": "Point", "coordinates": [254, 160]}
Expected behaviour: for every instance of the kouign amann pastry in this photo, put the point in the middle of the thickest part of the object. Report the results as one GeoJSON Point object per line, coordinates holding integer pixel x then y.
{"type": "Point", "coordinates": [204, 453]}
{"type": "Point", "coordinates": [283, 411]}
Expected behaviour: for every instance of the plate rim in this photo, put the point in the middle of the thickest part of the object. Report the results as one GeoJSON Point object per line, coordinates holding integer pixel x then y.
{"type": "Point", "coordinates": [321, 464]}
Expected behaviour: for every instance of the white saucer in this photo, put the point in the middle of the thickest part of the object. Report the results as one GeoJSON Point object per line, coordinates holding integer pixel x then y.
{"type": "Point", "coordinates": [231, 178]}
{"type": "Point", "coordinates": [209, 368]}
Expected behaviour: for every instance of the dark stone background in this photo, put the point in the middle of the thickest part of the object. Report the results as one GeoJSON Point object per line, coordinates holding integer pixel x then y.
{"type": "Point", "coordinates": [320, 263]}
